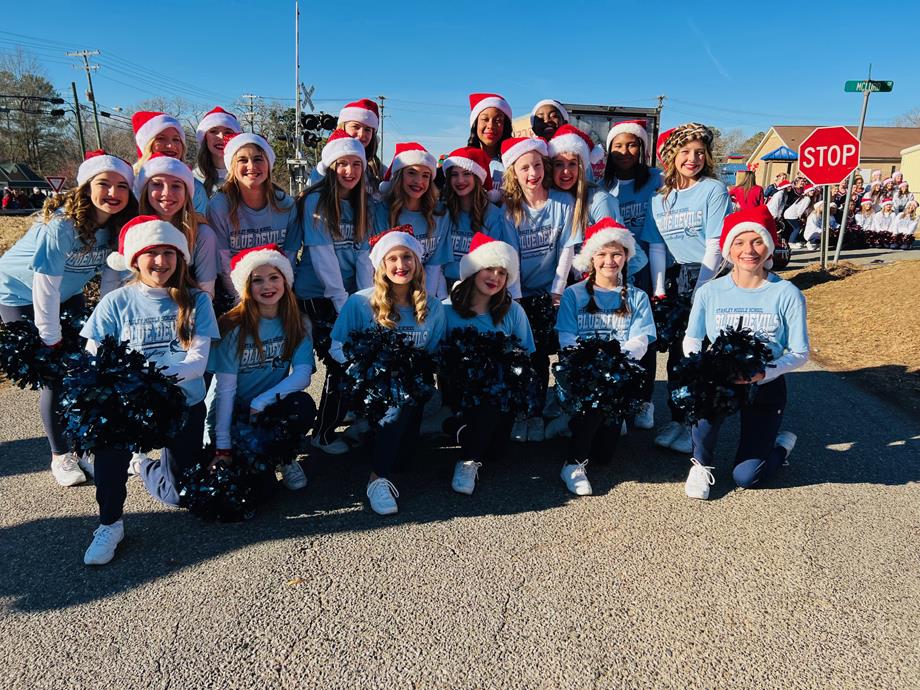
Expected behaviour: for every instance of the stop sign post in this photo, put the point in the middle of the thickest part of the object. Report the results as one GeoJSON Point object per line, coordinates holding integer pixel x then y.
{"type": "Point", "coordinates": [827, 156]}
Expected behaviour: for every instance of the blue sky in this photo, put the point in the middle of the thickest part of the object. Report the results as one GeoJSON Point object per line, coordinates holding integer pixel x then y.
{"type": "Point", "coordinates": [716, 62]}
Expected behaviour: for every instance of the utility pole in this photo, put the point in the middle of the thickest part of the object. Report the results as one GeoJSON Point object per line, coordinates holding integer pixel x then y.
{"type": "Point", "coordinates": [252, 110]}
{"type": "Point", "coordinates": [381, 99]}
{"type": "Point", "coordinates": [297, 79]}
{"type": "Point", "coordinates": [86, 54]}
{"type": "Point", "coordinates": [76, 111]}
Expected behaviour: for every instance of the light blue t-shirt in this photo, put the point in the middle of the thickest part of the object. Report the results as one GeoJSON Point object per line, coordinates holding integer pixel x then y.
{"type": "Point", "coordinates": [513, 323]}
{"type": "Point", "coordinates": [634, 205]}
{"type": "Point", "coordinates": [574, 318]}
{"type": "Point", "coordinates": [776, 310]}
{"type": "Point", "coordinates": [205, 259]}
{"type": "Point", "coordinates": [435, 249]}
{"type": "Point", "coordinates": [200, 197]}
{"type": "Point", "coordinates": [52, 249]}
{"type": "Point", "coordinates": [312, 232]}
{"type": "Point", "coordinates": [497, 172]}
{"type": "Point", "coordinates": [146, 318]}
{"type": "Point", "coordinates": [687, 219]}
{"type": "Point", "coordinates": [460, 234]}
{"type": "Point", "coordinates": [357, 315]}
{"type": "Point", "coordinates": [255, 374]}
{"type": "Point", "coordinates": [254, 229]}
{"type": "Point", "coordinates": [540, 240]}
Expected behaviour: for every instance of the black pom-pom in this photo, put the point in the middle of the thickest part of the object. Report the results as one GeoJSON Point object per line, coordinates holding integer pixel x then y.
{"type": "Point", "coordinates": [28, 362]}
{"type": "Point", "coordinates": [488, 368]}
{"type": "Point", "coordinates": [595, 374]}
{"type": "Point", "coordinates": [275, 437]}
{"type": "Point", "coordinates": [542, 316]}
{"type": "Point", "coordinates": [671, 316]}
{"type": "Point", "coordinates": [226, 491]}
{"type": "Point", "coordinates": [706, 387]}
{"type": "Point", "coordinates": [384, 369]}
{"type": "Point", "coordinates": [116, 399]}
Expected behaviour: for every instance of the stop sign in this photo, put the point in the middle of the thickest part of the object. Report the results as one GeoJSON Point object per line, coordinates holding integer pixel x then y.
{"type": "Point", "coordinates": [828, 155]}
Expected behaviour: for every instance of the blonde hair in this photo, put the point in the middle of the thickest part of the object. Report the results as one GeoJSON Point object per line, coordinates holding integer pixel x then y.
{"type": "Point", "coordinates": [148, 151]}
{"type": "Point", "coordinates": [513, 194]}
{"type": "Point", "coordinates": [671, 176]}
{"type": "Point", "coordinates": [397, 198]}
{"type": "Point", "coordinates": [582, 204]}
{"type": "Point", "coordinates": [231, 188]}
{"type": "Point", "coordinates": [383, 302]}
{"type": "Point", "coordinates": [186, 218]}
{"type": "Point", "coordinates": [77, 206]}
{"type": "Point", "coordinates": [179, 286]}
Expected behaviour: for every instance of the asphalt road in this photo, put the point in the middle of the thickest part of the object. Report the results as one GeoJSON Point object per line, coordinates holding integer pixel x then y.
{"type": "Point", "coordinates": [809, 582]}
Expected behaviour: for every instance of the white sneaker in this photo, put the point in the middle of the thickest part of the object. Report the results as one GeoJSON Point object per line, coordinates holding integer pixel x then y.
{"type": "Point", "coordinates": [667, 435]}
{"type": "Point", "coordinates": [519, 431]}
{"type": "Point", "coordinates": [105, 541]}
{"type": "Point", "coordinates": [786, 439]}
{"type": "Point", "coordinates": [465, 473]}
{"type": "Point", "coordinates": [682, 443]}
{"type": "Point", "coordinates": [558, 427]}
{"type": "Point", "coordinates": [134, 467]}
{"type": "Point", "coordinates": [575, 478]}
{"type": "Point", "coordinates": [87, 463]}
{"type": "Point", "coordinates": [535, 430]}
{"type": "Point", "coordinates": [432, 424]}
{"type": "Point", "coordinates": [645, 417]}
{"type": "Point", "coordinates": [382, 495]}
{"type": "Point", "coordinates": [292, 476]}
{"type": "Point", "coordinates": [699, 480]}
{"type": "Point", "coordinates": [66, 469]}
{"type": "Point", "coordinates": [355, 433]}
{"type": "Point", "coordinates": [337, 447]}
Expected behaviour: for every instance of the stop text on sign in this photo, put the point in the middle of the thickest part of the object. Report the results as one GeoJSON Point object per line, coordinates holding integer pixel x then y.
{"type": "Point", "coordinates": [832, 155]}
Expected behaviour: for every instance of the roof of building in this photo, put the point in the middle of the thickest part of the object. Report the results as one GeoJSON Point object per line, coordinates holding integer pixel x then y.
{"type": "Point", "coordinates": [20, 176]}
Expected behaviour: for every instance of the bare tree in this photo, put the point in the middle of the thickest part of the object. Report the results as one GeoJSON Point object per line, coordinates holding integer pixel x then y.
{"type": "Point", "coordinates": [909, 119]}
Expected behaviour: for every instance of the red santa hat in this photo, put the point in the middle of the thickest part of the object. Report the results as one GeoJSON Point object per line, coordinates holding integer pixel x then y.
{"type": "Point", "coordinates": [549, 101]}
{"type": "Point", "coordinates": [756, 219]}
{"type": "Point", "coordinates": [488, 252]}
{"type": "Point", "coordinates": [96, 162]}
{"type": "Point", "coordinates": [602, 233]}
{"type": "Point", "coordinates": [903, 184]}
{"type": "Point", "coordinates": [638, 128]}
{"type": "Point", "coordinates": [250, 259]}
{"type": "Point", "coordinates": [569, 139]}
{"type": "Point", "coordinates": [887, 180]}
{"type": "Point", "coordinates": [866, 200]}
{"type": "Point", "coordinates": [400, 236]}
{"type": "Point", "coordinates": [216, 118]}
{"type": "Point", "coordinates": [142, 233]}
{"type": "Point", "coordinates": [810, 189]}
{"type": "Point", "coordinates": [234, 142]}
{"type": "Point", "coordinates": [161, 164]}
{"type": "Point", "coordinates": [481, 101]}
{"type": "Point", "coordinates": [148, 124]}
{"type": "Point", "coordinates": [408, 153]}
{"type": "Point", "coordinates": [476, 161]}
{"type": "Point", "coordinates": [782, 185]}
{"type": "Point", "coordinates": [887, 201]}
{"type": "Point", "coordinates": [364, 111]}
{"type": "Point", "coordinates": [337, 145]}
{"type": "Point", "coordinates": [515, 147]}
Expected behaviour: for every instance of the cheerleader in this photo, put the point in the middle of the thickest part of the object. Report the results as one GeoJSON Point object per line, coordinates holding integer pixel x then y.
{"type": "Point", "coordinates": [685, 220]}
{"type": "Point", "coordinates": [481, 300]}
{"type": "Point", "coordinates": [864, 216]}
{"type": "Point", "coordinates": [886, 219]}
{"type": "Point", "coordinates": [214, 127]}
{"type": "Point", "coordinates": [602, 305]}
{"type": "Point", "coordinates": [814, 225]}
{"type": "Point", "coordinates": [538, 225]}
{"type": "Point", "coordinates": [46, 270]}
{"type": "Point", "coordinates": [490, 127]}
{"type": "Point", "coordinates": [265, 356]}
{"type": "Point", "coordinates": [902, 197]}
{"type": "Point", "coordinates": [747, 193]}
{"type": "Point", "coordinates": [165, 187]}
{"type": "Point", "coordinates": [398, 301]}
{"type": "Point", "coordinates": [547, 116]}
{"type": "Point", "coordinates": [410, 198]}
{"type": "Point", "coordinates": [329, 234]}
{"type": "Point", "coordinates": [466, 205]}
{"type": "Point", "coordinates": [161, 133]}
{"type": "Point", "coordinates": [249, 210]}
{"type": "Point", "coordinates": [163, 316]}
{"type": "Point", "coordinates": [628, 177]}
{"type": "Point", "coordinates": [360, 120]}
{"type": "Point", "coordinates": [768, 305]}
{"type": "Point", "coordinates": [906, 225]}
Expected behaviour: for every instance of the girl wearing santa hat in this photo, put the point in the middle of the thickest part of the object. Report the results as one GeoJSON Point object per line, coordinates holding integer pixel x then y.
{"type": "Point", "coordinates": [602, 305]}
{"type": "Point", "coordinates": [46, 270]}
{"type": "Point", "coordinates": [165, 187]}
{"type": "Point", "coordinates": [161, 133]}
{"type": "Point", "coordinates": [864, 216]}
{"type": "Point", "coordinates": [265, 357]}
{"type": "Point", "coordinates": [886, 218]}
{"type": "Point", "coordinates": [814, 225]}
{"type": "Point", "coordinates": [214, 127]}
{"type": "Point", "coordinates": [775, 309]}
{"type": "Point", "coordinates": [906, 224]}
{"type": "Point", "coordinates": [490, 126]}
{"type": "Point", "coordinates": [397, 300]}
{"type": "Point", "coordinates": [629, 178]}
{"type": "Point", "coordinates": [329, 234]}
{"type": "Point", "coordinates": [902, 196]}
{"type": "Point", "coordinates": [467, 207]}
{"type": "Point", "coordinates": [685, 220]}
{"type": "Point", "coordinates": [163, 316]}
{"type": "Point", "coordinates": [538, 225]}
{"type": "Point", "coordinates": [547, 116]}
{"type": "Point", "coordinates": [250, 210]}
{"type": "Point", "coordinates": [410, 198]}
{"type": "Point", "coordinates": [360, 120]}
{"type": "Point", "coordinates": [481, 300]}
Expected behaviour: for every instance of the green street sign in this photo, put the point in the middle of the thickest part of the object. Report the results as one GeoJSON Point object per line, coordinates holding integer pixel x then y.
{"type": "Point", "coordinates": [868, 85]}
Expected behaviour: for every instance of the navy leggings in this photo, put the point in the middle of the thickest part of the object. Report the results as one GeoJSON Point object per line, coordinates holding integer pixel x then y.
{"type": "Point", "coordinates": [484, 431]}
{"type": "Point", "coordinates": [594, 437]}
{"type": "Point", "coordinates": [332, 410]}
{"type": "Point", "coordinates": [757, 456]}
{"type": "Point", "coordinates": [49, 396]}
{"type": "Point", "coordinates": [396, 439]}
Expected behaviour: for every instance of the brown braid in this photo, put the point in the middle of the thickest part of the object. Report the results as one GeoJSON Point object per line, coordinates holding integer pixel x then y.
{"type": "Point", "coordinates": [592, 307]}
